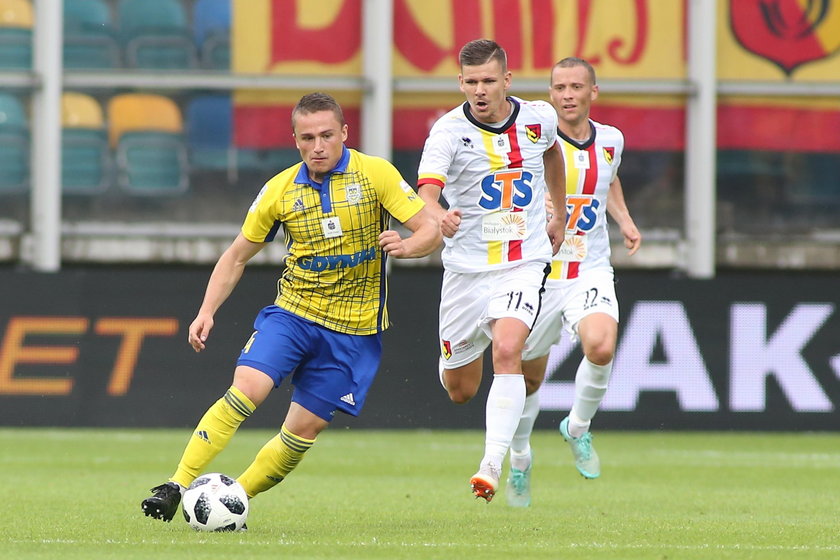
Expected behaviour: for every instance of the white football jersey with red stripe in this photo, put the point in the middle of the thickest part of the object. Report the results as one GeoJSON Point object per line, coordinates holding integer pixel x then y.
{"type": "Point", "coordinates": [495, 177]}
{"type": "Point", "coordinates": [591, 167]}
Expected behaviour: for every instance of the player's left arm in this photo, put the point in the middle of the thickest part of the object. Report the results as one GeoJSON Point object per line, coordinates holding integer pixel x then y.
{"type": "Point", "coordinates": [617, 209]}
{"type": "Point", "coordinates": [425, 237]}
{"type": "Point", "coordinates": [555, 180]}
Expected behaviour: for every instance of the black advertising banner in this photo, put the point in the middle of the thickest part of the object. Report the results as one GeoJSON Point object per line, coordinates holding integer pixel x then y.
{"type": "Point", "coordinates": [106, 346]}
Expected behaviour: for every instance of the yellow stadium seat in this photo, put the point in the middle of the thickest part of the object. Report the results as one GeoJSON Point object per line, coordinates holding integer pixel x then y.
{"type": "Point", "coordinates": [79, 110]}
{"type": "Point", "coordinates": [146, 131]}
{"type": "Point", "coordinates": [131, 112]}
{"type": "Point", "coordinates": [16, 13]}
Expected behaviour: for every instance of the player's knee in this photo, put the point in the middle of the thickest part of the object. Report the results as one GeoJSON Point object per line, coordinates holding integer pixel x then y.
{"type": "Point", "coordinates": [601, 354]}
{"type": "Point", "coordinates": [507, 351]}
{"type": "Point", "coordinates": [460, 396]}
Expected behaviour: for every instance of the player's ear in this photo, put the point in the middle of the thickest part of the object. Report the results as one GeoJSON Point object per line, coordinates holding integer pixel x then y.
{"type": "Point", "coordinates": [594, 95]}
{"type": "Point", "coordinates": [344, 133]}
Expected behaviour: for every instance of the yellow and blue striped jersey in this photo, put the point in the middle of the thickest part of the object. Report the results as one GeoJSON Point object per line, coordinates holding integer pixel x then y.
{"type": "Point", "coordinates": [335, 269]}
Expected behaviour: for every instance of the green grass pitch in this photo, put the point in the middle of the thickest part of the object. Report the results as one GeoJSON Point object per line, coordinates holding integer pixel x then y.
{"type": "Point", "coordinates": [75, 494]}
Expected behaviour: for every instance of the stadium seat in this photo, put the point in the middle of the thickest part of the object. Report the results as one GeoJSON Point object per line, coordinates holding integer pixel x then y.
{"type": "Point", "coordinates": [16, 20]}
{"type": "Point", "coordinates": [85, 154]}
{"type": "Point", "coordinates": [155, 35]}
{"type": "Point", "coordinates": [90, 38]}
{"type": "Point", "coordinates": [14, 145]}
{"type": "Point", "coordinates": [211, 28]}
{"type": "Point", "coordinates": [146, 130]}
{"type": "Point", "coordinates": [210, 132]}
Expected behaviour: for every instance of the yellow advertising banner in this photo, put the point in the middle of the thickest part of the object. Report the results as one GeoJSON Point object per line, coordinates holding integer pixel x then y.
{"type": "Point", "coordinates": [758, 40]}
{"type": "Point", "coordinates": [639, 39]}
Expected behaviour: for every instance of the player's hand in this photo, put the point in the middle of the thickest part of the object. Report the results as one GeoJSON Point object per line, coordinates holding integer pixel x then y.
{"type": "Point", "coordinates": [556, 229]}
{"type": "Point", "coordinates": [199, 331]}
{"type": "Point", "coordinates": [392, 243]}
{"type": "Point", "coordinates": [549, 207]}
{"type": "Point", "coordinates": [450, 223]}
{"type": "Point", "coordinates": [632, 238]}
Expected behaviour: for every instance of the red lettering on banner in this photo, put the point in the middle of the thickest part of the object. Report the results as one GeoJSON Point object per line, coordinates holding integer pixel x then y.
{"type": "Point", "coordinates": [507, 28]}
{"type": "Point", "coordinates": [421, 50]}
{"type": "Point", "coordinates": [542, 33]}
{"type": "Point", "coordinates": [338, 42]}
{"type": "Point", "coordinates": [640, 37]}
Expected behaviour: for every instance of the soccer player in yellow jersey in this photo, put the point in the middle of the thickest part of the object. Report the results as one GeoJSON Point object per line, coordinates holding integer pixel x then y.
{"type": "Point", "coordinates": [325, 325]}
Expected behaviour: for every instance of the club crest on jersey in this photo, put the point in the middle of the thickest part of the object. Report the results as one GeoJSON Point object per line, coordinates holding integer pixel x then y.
{"type": "Point", "coordinates": [533, 132]}
{"type": "Point", "coordinates": [446, 348]}
{"type": "Point", "coordinates": [354, 193]}
{"type": "Point", "coordinates": [609, 154]}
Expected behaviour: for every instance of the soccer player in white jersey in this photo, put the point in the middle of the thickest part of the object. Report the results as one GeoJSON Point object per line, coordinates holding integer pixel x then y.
{"type": "Point", "coordinates": [580, 294]}
{"type": "Point", "coordinates": [491, 158]}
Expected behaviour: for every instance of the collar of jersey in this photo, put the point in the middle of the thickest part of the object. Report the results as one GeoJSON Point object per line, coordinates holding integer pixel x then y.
{"type": "Point", "coordinates": [579, 145]}
{"type": "Point", "coordinates": [324, 188]}
{"type": "Point", "coordinates": [510, 120]}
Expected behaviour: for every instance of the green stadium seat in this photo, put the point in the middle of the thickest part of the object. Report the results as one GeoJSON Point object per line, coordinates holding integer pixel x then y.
{"type": "Point", "coordinates": [85, 154]}
{"type": "Point", "coordinates": [14, 145]}
{"type": "Point", "coordinates": [90, 38]}
{"type": "Point", "coordinates": [155, 35]}
{"type": "Point", "coordinates": [16, 20]}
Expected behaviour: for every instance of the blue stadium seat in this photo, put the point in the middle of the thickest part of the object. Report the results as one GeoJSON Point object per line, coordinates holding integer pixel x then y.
{"type": "Point", "coordinates": [211, 28]}
{"type": "Point", "coordinates": [16, 20]}
{"type": "Point", "coordinates": [155, 35]}
{"type": "Point", "coordinates": [209, 126]}
{"type": "Point", "coordinates": [85, 154]}
{"type": "Point", "coordinates": [14, 145]}
{"type": "Point", "coordinates": [90, 38]}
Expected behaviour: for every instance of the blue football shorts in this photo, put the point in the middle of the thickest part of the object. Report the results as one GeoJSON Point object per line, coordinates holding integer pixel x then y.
{"type": "Point", "coordinates": [331, 370]}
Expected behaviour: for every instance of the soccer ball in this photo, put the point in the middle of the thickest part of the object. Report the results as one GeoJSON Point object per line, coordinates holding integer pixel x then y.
{"type": "Point", "coordinates": [215, 502]}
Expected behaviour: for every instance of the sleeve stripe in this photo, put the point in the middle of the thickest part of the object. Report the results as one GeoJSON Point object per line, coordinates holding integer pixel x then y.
{"type": "Point", "coordinates": [431, 179]}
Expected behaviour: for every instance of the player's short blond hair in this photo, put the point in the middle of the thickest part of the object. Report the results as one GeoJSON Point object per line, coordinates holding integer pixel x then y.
{"type": "Point", "coordinates": [572, 61]}
{"type": "Point", "coordinates": [315, 102]}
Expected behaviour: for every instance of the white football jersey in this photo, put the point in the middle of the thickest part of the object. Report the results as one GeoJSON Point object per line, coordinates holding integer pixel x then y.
{"type": "Point", "coordinates": [591, 167]}
{"type": "Point", "coordinates": [495, 177]}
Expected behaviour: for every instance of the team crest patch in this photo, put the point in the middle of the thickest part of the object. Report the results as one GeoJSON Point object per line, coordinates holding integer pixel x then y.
{"type": "Point", "coordinates": [533, 132]}
{"type": "Point", "coordinates": [446, 348]}
{"type": "Point", "coordinates": [609, 154]}
{"type": "Point", "coordinates": [354, 193]}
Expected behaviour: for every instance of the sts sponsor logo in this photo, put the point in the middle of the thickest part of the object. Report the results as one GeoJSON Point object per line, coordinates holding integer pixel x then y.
{"type": "Point", "coordinates": [506, 189]}
{"type": "Point", "coordinates": [583, 212]}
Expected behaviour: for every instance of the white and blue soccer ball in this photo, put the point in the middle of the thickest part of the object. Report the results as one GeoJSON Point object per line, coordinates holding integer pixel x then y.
{"type": "Point", "coordinates": [215, 502]}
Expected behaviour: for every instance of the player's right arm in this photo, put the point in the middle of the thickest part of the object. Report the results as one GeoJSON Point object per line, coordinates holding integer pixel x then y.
{"type": "Point", "coordinates": [439, 152]}
{"type": "Point", "coordinates": [223, 280]}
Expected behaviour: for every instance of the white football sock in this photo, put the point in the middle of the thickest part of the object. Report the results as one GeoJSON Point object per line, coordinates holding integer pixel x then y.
{"type": "Point", "coordinates": [520, 446]}
{"type": "Point", "coordinates": [505, 403]}
{"type": "Point", "coordinates": [591, 383]}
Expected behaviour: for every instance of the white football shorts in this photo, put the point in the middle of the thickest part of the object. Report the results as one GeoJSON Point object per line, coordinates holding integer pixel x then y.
{"type": "Point", "coordinates": [565, 303]}
{"type": "Point", "coordinates": [470, 302]}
